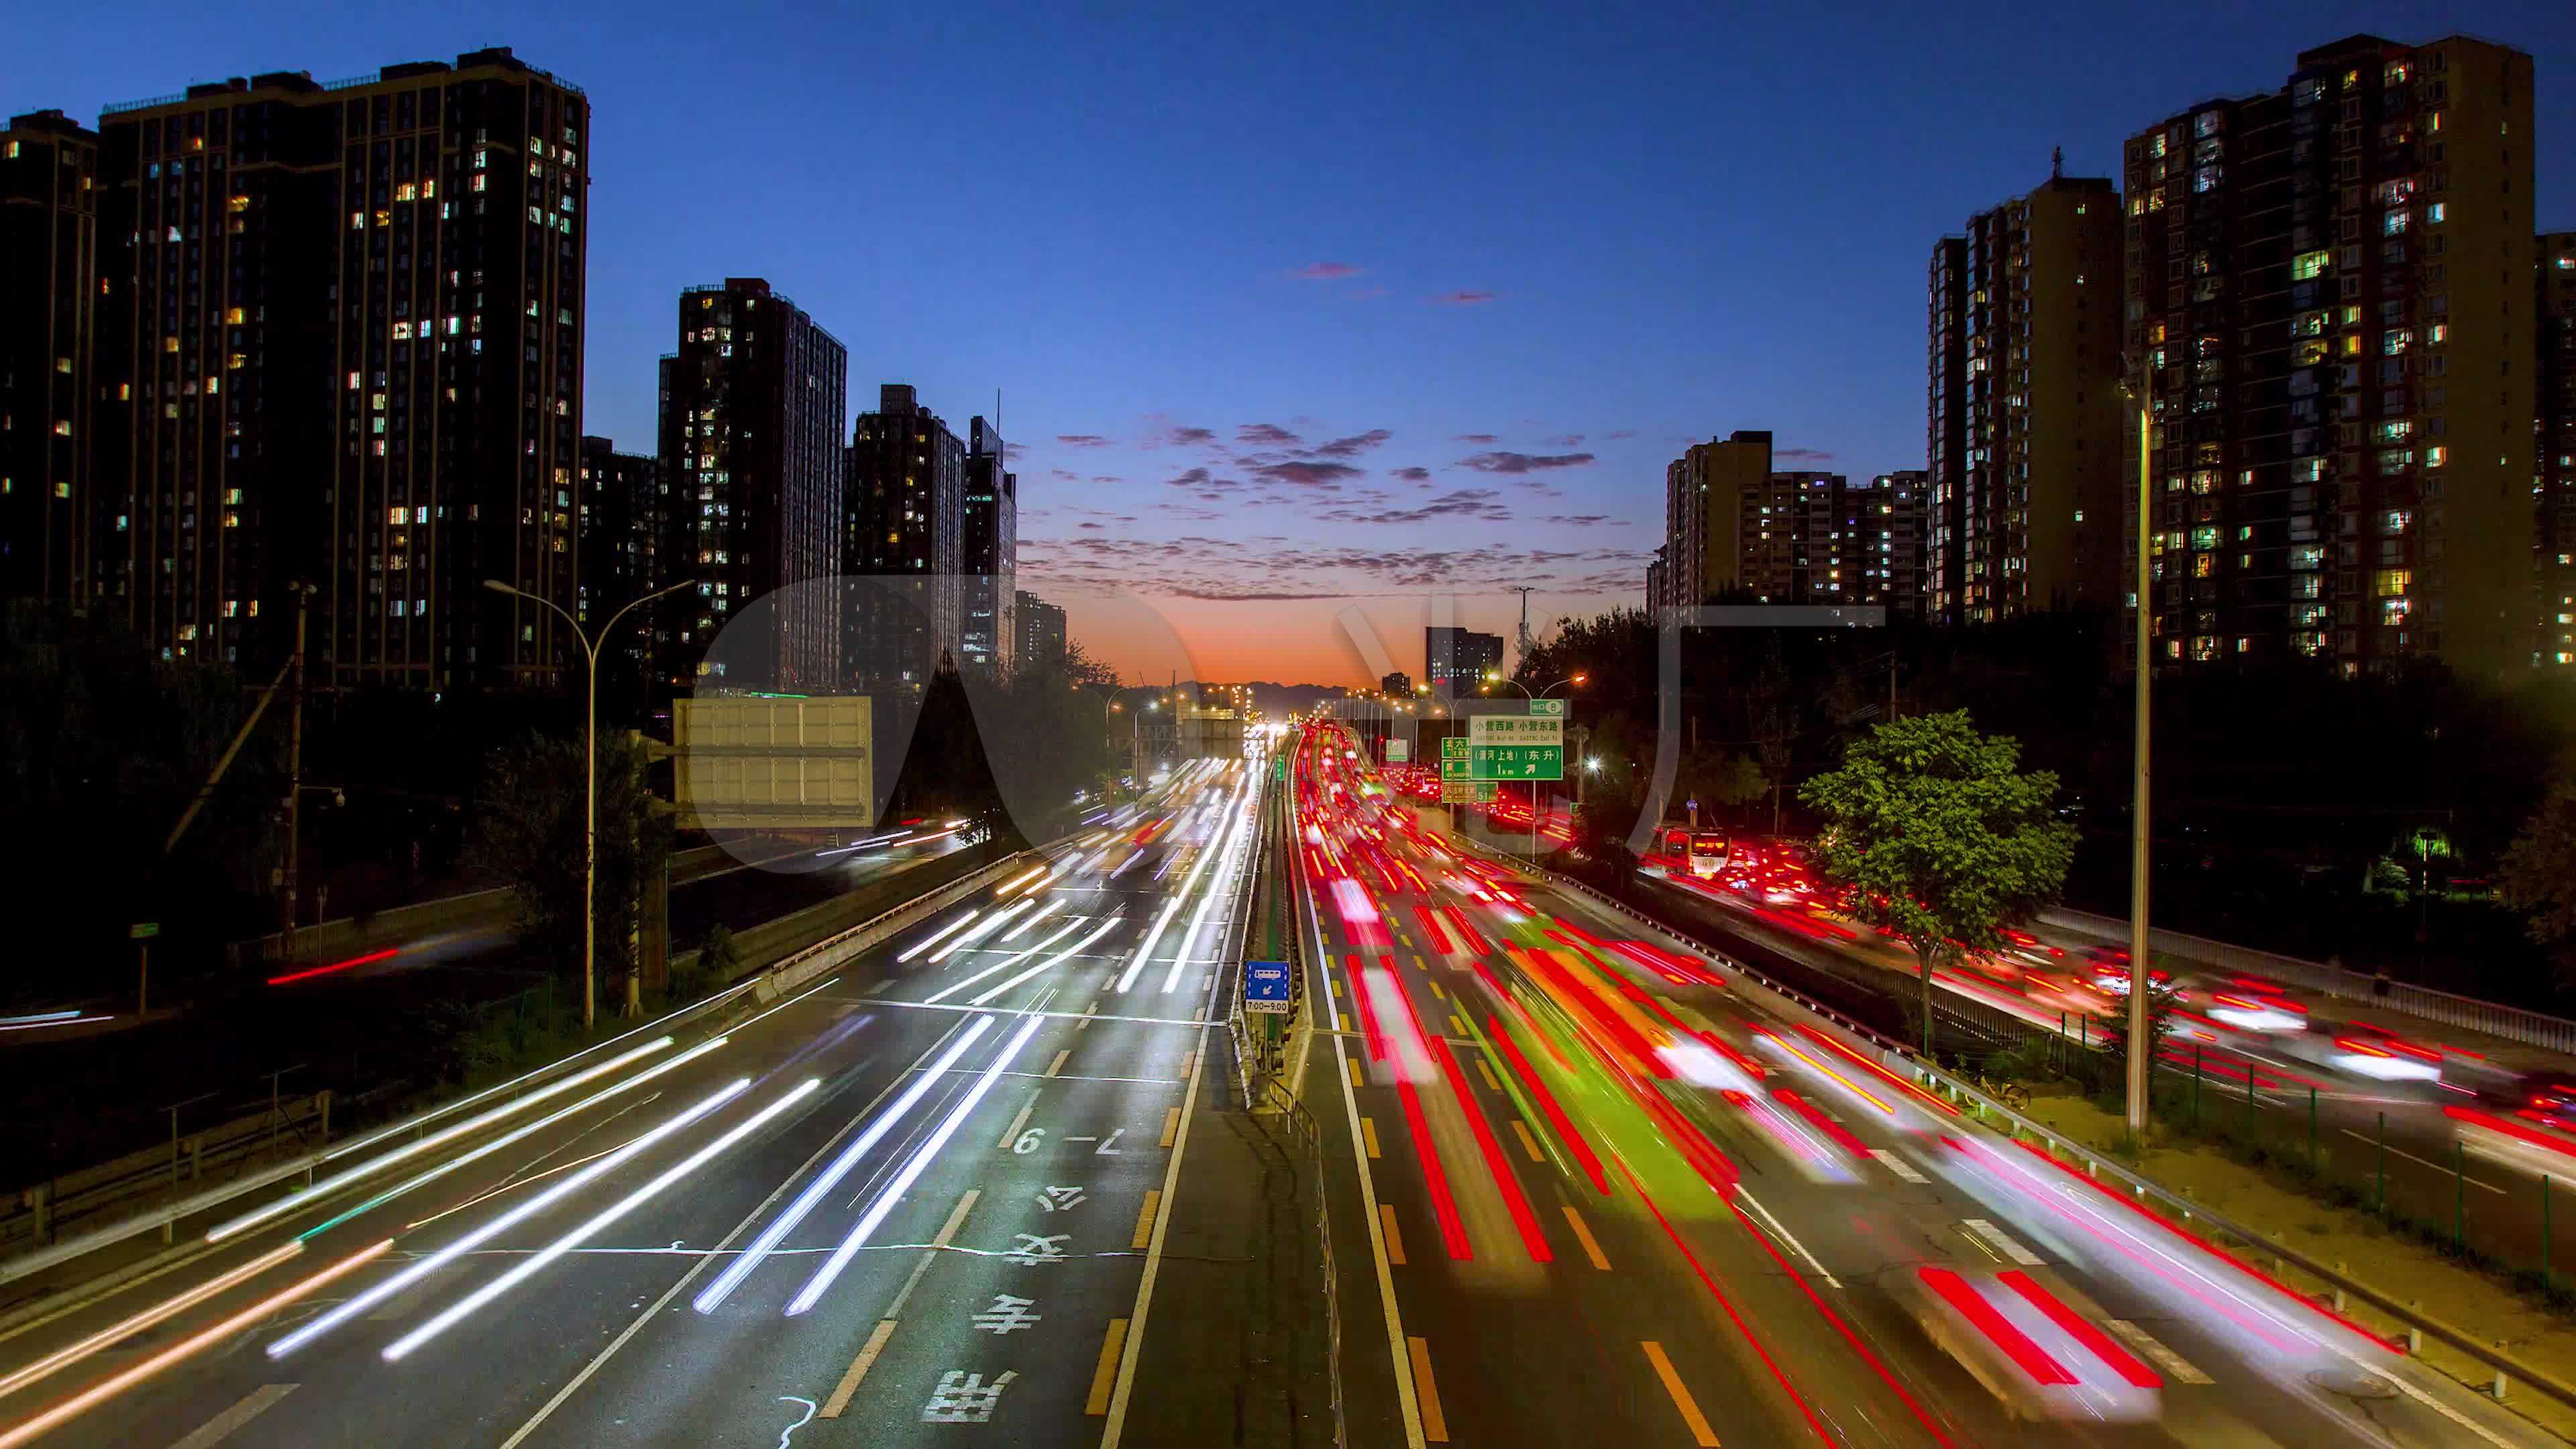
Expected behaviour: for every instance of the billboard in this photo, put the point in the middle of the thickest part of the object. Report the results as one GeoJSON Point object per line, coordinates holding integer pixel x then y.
{"type": "Point", "coordinates": [767, 762]}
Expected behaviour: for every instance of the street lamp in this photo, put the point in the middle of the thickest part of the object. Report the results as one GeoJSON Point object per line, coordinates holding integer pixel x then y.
{"type": "Point", "coordinates": [590, 806]}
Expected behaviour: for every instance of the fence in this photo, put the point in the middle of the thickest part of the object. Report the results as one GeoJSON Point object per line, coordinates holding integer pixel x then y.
{"type": "Point", "coordinates": [40, 1212]}
{"type": "Point", "coordinates": [2512, 1023]}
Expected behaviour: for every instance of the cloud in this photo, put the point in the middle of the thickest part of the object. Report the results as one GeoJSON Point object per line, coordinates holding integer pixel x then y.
{"type": "Point", "coordinates": [1412, 475]}
{"type": "Point", "coordinates": [1564, 440]}
{"type": "Point", "coordinates": [1463, 299]}
{"type": "Point", "coordinates": [1622, 433]}
{"type": "Point", "coordinates": [1208, 484]}
{"type": "Point", "coordinates": [1269, 435]}
{"type": "Point", "coordinates": [1189, 437]}
{"type": "Point", "coordinates": [1486, 439]}
{"type": "Point", "coordinates": [1241, 596]}
{"type": "Point", "coordinates": [1523, 462]}
{"type": "Point", "coordinates": [1477, 503]}
{"type": "Point", "coordinates": [1107, 478]}
{"type": "Point", "coordinates": [1583, 520]}
{"type": "Point", "coordinates": [1325, 271]}
{"type": "Point", "coordinates": [1082, 440]}
{"type": "Point", "coordinates": [1355, 444]}
{"type": "Point", "coordinates": [1012, 451]}
{"type": "Point", "coordinates": [1803, 455]}
{"type": "Point", "coordinates": [1091, 525]}
{"type": "Point", "coordinates": [1308, 475]}
{"type": "Point", "coordinates": [1067, 474]}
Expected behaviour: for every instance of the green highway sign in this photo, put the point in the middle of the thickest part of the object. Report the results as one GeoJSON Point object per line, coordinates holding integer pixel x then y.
{"type": "Point", "coordinates": [1554, 707]}
{"type": "Point", "coordinates": [1517, 762]}
{"type": "Point", "coordinates": [1461, 792]}
{"type": "Point", "coordinates": [1453, 770]}
{"type": "Point", "coordinates": [1453, 747]}
{"type": "Point", "coordinates": [143, 930]}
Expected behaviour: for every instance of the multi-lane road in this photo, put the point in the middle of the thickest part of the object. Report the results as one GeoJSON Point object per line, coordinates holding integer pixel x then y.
{"type": "Point", "coordinates": [916, 1200]}
{"type": "Point", "coordinates": [1593, 1189]}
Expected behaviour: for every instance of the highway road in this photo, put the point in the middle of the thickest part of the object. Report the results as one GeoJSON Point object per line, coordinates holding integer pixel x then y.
{"type": "Point", "coordinates": [1589, 1189]}
{"type": "Point", "coordinates": [2441, 1163]}
{"type": "Point", "coordinates": [913, 1201]}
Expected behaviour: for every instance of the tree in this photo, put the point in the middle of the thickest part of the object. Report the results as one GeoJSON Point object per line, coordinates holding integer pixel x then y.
{"type": "Point", "coordinates": [528, 835]}
{"type": "Point", "coordinates": [1934, 834]}
{"type": "Point", "coordinates": [2537, 875]}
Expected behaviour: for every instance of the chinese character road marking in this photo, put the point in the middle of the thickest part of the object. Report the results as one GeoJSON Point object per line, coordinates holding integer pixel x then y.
{"type": "Point", "coordinates": [1055, 1198]}
{"type": "Point", "coordinates": [964, 1398]}
{"type": "Point", "coordinates": [1007, 1315]}
{"type": "Point", "coordinates": [1035, 1249]}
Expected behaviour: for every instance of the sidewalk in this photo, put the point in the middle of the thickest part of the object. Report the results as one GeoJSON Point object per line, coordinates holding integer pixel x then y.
{"type": "Point", "coordinates": [1238, 1349]}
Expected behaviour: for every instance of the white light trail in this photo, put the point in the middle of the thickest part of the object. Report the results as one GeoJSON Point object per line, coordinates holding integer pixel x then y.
{"type": "Point", "coordinates": [371, 1167]}
{"type": "Point", "coordinates": [599, 1222]}
{"type": "Point", "coordinates": [1229, 833]}
{"type": "Point", "coordinates": [1017, 881]}
{"type": "Point", "coordinates": [943, 993]}
{"type": "Point", "coordinates": [1022, 929]}
{"type": "Point", "coordinates": [933, 939]}
{"type": "Point", "coordinates": [821, 1187]}
{"type": "Point", "coordinates": [902, 1180]}
{"type": "Point", "coordinates": [159, 1312]}
{"type": "Point", "coordinates": [1050, 963]}
{"type": "Point", "coordinates": [423, 1267]}
{"type": "Point", "coordinates": [982, 929]}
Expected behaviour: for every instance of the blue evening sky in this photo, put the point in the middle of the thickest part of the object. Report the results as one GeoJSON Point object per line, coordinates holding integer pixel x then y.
{"type": "Point", "coordinates": [1590, 234]}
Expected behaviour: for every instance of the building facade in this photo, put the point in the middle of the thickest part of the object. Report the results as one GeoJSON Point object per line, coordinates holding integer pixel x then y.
{"type": "Point", "coordinates": [2024, 427]}
{"type": "Point", "coordinates": [2553, 484]}
{"type": "Point", "coordinates": [1455, 659]}
{"type": "Point", "coordinates": [1040, 626]}
{"type": "Point", "coordinates": [1703, 542]}
{"type": "Point", "coordinates": [1889, 516]}
{"type": "Point", "coordinates": [989, 550]}
{"type": "Point", "coordinates": [339, 332]}
{"type": "Point", "coordinates": [2327, 320]}
{"type": "Point", "coordinates": [903, 530]}
{"type": "Point", "coordinates": [1398, 685]}
{"type": "Point", "coordinates": [48, 356]}
{"type": "Point", "coordinates": [620, 524]}
{"type": "Point", "coordinates": [751, 445]}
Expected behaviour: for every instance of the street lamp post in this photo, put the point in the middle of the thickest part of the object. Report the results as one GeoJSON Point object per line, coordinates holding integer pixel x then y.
{"type": "Point", "coordinates": [2139, 1046]}
{"type": "Point", "coordinates": [590, 793]}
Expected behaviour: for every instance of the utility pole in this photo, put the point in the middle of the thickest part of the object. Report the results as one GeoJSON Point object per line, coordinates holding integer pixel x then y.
{"type": "Point", "coordinates": [295, 765]}
{"type": "Point", "coordinates": [1524, 640]}
{"type": "Point", "coordinates": [2139, 1046]}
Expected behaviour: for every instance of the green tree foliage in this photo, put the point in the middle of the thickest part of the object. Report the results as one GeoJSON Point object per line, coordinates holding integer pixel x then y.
{"type": "Point", "coordinates": [1934, 833]}
{"type": "Point", "coordinates": [2537, 875]}
{"type": "Point", "coordinates": [528, 835]}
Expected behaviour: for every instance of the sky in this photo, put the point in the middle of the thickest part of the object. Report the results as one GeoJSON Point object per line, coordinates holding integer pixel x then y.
{"type": "Point", "coordinates": [1313, 309]}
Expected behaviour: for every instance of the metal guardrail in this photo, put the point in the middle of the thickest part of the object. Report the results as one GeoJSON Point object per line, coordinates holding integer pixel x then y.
{"type": "Point", "coordinates": [2512, 1023]}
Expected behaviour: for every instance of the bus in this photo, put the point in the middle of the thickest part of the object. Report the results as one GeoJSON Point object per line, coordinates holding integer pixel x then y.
{"type": "Point", "coordinates": [1708, 851]}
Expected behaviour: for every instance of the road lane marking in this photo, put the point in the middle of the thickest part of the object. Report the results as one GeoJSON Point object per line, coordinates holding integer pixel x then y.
{"type": "Point", "coordinates": [2165, 1358]}
{"type": "Point", "coordinates": [1368, 1134]}
{"type": "Point", "coordinates": [2428, 1162]}
{"type": "Point", "coordinates": [1394, 1237]}
{"type": "Point", "coordinates": [1057, 1065]}
{"type": "Point", "coordinates": [1171, 1125]}
{"type": "Point", "coordinates": [1457, 1028]}
{"type": "Point", "coordinates": [1437, 993]}
{"type": "Point", "coordinates": [1133, 1340]}
{"type": "Point", "coordinates": [1104, 1374]}
{"type": "Point", "coordinates": [859, 1367]}
{"type": "Point", "coordinates": [1187, 1058]}
{"type": "Point", "coordinates": [1529, 1144]}
{"type": "Point", "coordinates": [1692, 1418]}
{"type": "Point", "coordinates": [947, 1230]}
{"type": "Point", "coordinates": [1357, 1080]}
{"type": "Point", "coordinates": [1898, 1165]}
{"type": "Point", "coordinates": [1145, 1219]}
{"type": "Point", "coordinates": [219, 1428]}
{"type": "Point", "coordinates": [1435, 1425]}
{"type": "Point", "coordinates": [1422, 966]}
{"type": "Point", "coordinates": [1011, 1133]}
{"type": "Point", "coordinates": [1491, 1080]}
{"type": "Point", "coordinates": [1344, 1018]}
{"type": "Point", "coordinates": [1583, 1234]}
{"type": "Point", "coordinates": [1088, 1012]}
{"type": "Point", "coordinates": [1783, 1234]}
{"type": "Point", "coordinates": [2004, 1242]}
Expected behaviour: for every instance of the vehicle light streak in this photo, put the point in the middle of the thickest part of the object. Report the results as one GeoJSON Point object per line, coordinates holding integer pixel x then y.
{"type": "Point", "coordinates": [109, 1388]}
{"type": "Point", "coordinates": [1505, 1181]}
{"type": "Point", "coordinates": [902, 1181]}
{"type": "Point", "coordinates": [1222, 851]}
{"type": "Point", "coordinates": [1022, 929]}
{"type": "Point", "coordinates": [157, 1313]}
{"type": "Point", "coordinates": [1547, 1103]}
{"type": "Point", "coordinates": [1431, 928]}
{"type": "Point", "coordinates": [487, 1149]}
{"type": "Point", "coordinates": [934, 938]}
{"type": "Point", "coordinates": [978, 931]}
{"type": "Point", "coordinates": [422, 1267]}
{"type": "Point", "coordinates": [821, 1187]}
{"type": "Point", "coordinates": [1921, 1414]}
{"type": "Point", "coordinates": [1007, 962]}
{"type": "Point", "coordinates": [1920, 1096]}
{"type": "Point", "coordinates": [1017, 881]}
{"type": "Point", "coordinates": [310, 972]}
{"type": "Point", "coordinates": [598, 1223]}
{"type": "Point", "coordinates": [1522, 1014]}
{"type": "Point", "coordinates": [1467, 932]}
{"type": "Point", "coordinates": [1049, 964]}
{"type": "Point", "coordinates": [42, 1018]}
{"type": "Point", "coordinates": [1823, 1123]}
{"type": "Point", "coordinates": [372, 1166]}
{"type": "Point", "coordinates": [1971, 1305]}
{"type": "Point", "coordinates": [1801, 1143]}
{"type": "Point", "coordinates": [2081, 1329]}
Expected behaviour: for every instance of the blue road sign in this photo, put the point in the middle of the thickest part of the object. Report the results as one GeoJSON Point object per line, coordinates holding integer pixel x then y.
{"type": "Point", "coordinates": [1266, 986]}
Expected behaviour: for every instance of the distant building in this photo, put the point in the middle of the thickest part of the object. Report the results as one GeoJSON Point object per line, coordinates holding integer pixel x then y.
{"type": "Point", "coordinates": [2329, 327]}
{"type": "Point", "coordinates": [2025, 406]}
{"type": "Point", "coordinates": [903, 528]}
{"type": "Point", "coordinates": [988, 550]}
{"type": "Point", "coordinates": [1887, 516]}
{"type": "Point", "coordinates": [620, 530]}
{"type": "Point", "coordinates": [751, 447]}
{"type": "Point", "coordinates": [1658, 584]}
{"type": "Point", "coordinates": [1040, 626]}
{"type": "Point", "coordinates": [340, 344]}
{"type": "Point", "coordinates": [1398, 685]}
{"type": "Point", "coordinates": [1456, 659]}
{"type": "Point", "coordinates": [2553, 494]}
{"type": "Point", "coordinates": [1705, 548]}
{"type": "Point", "coordinates": [49, 267]}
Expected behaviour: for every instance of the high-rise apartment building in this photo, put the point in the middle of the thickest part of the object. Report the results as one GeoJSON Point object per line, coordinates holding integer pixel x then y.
{"type": "Point", "coordinates": [1455, 659]}
{"type": "Point", "coordinates": [1703, 545]}
{"type": "Point", "coordinates": [2553, 483]}
{"type": "Point", "coordinates": [2024, 422]}
{"type": "Point", "coordinates": [2328, 318]}
{"type": "Point", "coordinates": [751, 446]}
{"type": "Point", "coordinates": [48, 356]}
{"type": "Point", "coordinates": [1888, 517]}
{"type": "Point", "coordinates": [1040, 626]}
{"type": "Point", "coordinates": [340, 345]}
{"type": "Point", "coordinates": [989, 550]}
{"type": "Point", "coordinates": [902, 509]}
{"type": "Point", "coordinates": [620, 529]}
